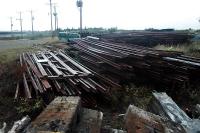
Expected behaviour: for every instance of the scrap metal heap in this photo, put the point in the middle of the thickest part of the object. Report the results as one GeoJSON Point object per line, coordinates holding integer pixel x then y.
{"type": "Point", "coordinates": [121, 62]}
{"type": "Point", "coordinates": [55, 72]}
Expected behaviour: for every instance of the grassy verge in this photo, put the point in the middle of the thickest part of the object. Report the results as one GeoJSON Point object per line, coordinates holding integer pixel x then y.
{"type": "Point", "coordinates": [12, 54]}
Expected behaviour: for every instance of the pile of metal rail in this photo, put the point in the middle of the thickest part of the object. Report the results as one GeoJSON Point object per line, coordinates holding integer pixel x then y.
{"type": "Point", "coordinates": [149, 38]}
{"type": "Point", "coordinates": [120, 62]}
{"type": "Point", "coordinates": [55, 72]}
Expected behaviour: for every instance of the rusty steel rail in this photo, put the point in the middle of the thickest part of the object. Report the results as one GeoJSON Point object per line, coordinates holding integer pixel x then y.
{"type": "Point", "coordinates": [47, 71]}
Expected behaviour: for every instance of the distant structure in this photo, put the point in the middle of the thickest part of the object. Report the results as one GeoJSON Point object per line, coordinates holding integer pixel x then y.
{"type": "Point", "coordinates": [79, 4]}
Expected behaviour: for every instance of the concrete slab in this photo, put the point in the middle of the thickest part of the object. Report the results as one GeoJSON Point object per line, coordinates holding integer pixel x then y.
{"type": "Point", "coordinates": [59, 116]}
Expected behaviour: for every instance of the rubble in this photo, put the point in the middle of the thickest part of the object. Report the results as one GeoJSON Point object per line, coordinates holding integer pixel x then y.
{"type": "Point", "coordinates": [140, 121]}
{"type": "Point", "coordinates": [65, 114]}
{"type": "Point", "coordinates": [164, 106]}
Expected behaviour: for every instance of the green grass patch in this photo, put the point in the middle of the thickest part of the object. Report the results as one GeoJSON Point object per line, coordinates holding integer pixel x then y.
{"type": "Point", "coordinates": [12, 54]}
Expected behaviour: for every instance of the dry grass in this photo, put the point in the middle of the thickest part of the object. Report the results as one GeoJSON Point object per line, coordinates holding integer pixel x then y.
{"type": "Point", "coordinates": [12, 54]}
{"type": "Point", "coordinates": [191, 49]}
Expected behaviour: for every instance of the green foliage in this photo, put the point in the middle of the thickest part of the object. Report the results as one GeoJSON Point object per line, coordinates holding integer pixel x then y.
{"type": "Point", "coordinates": [132, 94]}
{"type": "Point", "coordinates": [28, 107]}
{"type": "Point", "coordinates": [113, 29]}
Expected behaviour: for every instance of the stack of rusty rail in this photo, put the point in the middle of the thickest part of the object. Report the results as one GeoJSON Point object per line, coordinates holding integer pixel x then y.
{"type": "Point", "coordinates": [149, 38]}
{"type": "Point", "coordinates": [118, 61]}
{"type": "Point", "coordinates": [47, 71]}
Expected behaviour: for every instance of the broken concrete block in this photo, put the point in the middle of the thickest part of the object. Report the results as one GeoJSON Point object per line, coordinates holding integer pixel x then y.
{"type": "Point", "coordinates": [117, 131]}
{"type": "Point", "coordinates": [59, 116]}
{"type": "Point", "coordinates": [163, 105]}
{"type": "Point", "coordinates": [20, 125]}
{"type": "Point", "coordinates": [140, 121]}
{"type": "Point", "coordinates": [90, 121]}
{"type": "Point", "coordinates": [2, 130]}
{"type": "Point", "coordinates": [198, 108]}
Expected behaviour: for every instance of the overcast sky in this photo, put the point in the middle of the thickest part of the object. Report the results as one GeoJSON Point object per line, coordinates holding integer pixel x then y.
{"type": "Point", "coordinates": [124, 14]}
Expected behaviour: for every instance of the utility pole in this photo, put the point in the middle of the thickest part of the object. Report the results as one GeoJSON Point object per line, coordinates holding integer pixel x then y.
{"type": "Point", "coordinates": [20, 21]}
{"type": "Point", "coordinates": [50, 3]}
{"type": "Point", "coordinates": [32, 19]}
{"type": "Point", "coordinates": [11, 26]}
{"type": "Point", "coordinates": [79, 4]}
{"type": "Point", "coordinates": [55, 15]}
{"type": "Point", "coordinates": [57, 21]}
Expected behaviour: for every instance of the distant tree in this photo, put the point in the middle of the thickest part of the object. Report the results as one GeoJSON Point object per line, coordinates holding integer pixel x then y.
{"type": "Point", "coordinates": [113, 29]}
